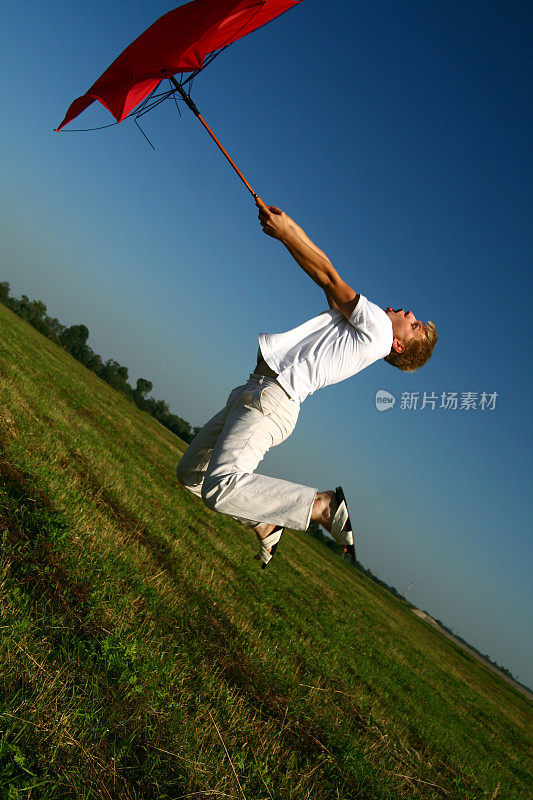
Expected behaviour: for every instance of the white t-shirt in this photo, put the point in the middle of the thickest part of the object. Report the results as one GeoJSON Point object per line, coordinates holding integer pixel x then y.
{"type": "Point", "coordinates": [328, 348]}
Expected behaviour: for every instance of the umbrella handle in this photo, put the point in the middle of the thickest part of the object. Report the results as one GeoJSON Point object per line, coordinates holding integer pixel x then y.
{"type": "Point", "coordinates": [191, 104]}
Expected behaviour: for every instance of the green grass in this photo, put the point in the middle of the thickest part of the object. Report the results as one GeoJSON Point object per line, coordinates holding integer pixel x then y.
{"type": "Point", "coordinates": [144, 655]}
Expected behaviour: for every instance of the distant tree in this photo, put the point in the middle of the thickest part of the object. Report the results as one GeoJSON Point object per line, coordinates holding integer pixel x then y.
{"type": "Point", "coordinates": [4, 292]}
{"type": "Point", "coordinates": [36, 310]}
{"type": "Point", "coordinates": [36, 316]}
{"type": "Point", "coordinates": [91, 359]}
{"type": "Point", "coordinates": [178, 426]}
{"type": "Point", "coordinates": [74, 339]}
{"type": "Point", "coordinates": [115, 375]}
{"type": "Point", "coordinates": [24, 307]}
{"type": "Point", "coordinates": [55, 328]}
{"type": "Point", "coordinates": [158, 409]}
{"type": "Point", "coordinates": [142, 388]}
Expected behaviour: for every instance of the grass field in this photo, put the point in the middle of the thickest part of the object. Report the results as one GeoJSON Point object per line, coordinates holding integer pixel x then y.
{"type": "Point", "coordinates": [144, 655]}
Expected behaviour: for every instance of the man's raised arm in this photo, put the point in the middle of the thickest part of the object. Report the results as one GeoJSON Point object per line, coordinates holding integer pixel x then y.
{"type": "Point", "coordinates": [310, 258]}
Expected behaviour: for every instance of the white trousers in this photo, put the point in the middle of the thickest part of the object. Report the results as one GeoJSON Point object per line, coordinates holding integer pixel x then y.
{"type": "Point", "coordinates": [219, 464]}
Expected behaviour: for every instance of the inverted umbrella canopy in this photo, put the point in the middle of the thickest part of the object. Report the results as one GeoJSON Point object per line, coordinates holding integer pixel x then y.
{"type": "Point", "coordinates": [179, 41]}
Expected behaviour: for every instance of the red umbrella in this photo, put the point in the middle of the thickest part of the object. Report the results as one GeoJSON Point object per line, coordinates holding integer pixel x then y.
{"type": "Point", "coordinates": [177, 42]}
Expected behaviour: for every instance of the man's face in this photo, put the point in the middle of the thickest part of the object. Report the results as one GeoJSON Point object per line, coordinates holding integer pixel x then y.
{"type": "Point", "coordinates": [404, 324]}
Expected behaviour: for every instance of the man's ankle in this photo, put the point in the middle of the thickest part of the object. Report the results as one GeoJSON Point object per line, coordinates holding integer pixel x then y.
{"type": "Point", "coordinates": [263, 530]}
{"type": "Point", "coordinates": [324, 508]}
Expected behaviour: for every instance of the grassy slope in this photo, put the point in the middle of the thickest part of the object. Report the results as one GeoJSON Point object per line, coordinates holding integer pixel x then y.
{"type": "Point", "coordinates": [144, 655]}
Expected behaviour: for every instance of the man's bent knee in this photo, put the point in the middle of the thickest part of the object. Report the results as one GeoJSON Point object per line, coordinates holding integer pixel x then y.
{"type": "Point", "coordinates": [216, 491]}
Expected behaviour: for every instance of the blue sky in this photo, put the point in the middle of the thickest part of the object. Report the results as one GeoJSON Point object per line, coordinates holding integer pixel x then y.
{"type": "Point", "coordinates": [397, 134]}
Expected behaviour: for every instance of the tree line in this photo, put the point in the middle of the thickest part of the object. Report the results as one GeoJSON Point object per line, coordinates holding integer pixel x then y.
{"type": "Point", "coordinates": [73, 339]}
{"type": "Point", "coordinates": [480, 653]}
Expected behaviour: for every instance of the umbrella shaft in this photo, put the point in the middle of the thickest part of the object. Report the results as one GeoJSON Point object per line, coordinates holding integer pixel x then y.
{"type": "Point", "coordinates": [190, 103]}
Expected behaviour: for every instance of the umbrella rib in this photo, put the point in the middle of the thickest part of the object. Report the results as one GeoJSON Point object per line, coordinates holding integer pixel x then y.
{"type": "Point", "coordinates": [145, 136]}
{"type": "Point", "coordinates": [85, 130]}
{"type": "Point", "coordinates": [140, 112]}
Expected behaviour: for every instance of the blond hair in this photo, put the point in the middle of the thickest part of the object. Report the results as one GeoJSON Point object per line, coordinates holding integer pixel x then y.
{"type": "Point", "coordinates": [417, 351]}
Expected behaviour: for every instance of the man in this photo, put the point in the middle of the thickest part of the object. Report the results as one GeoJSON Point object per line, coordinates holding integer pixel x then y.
{"type": "Point", "coordinates": [219, 466]}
